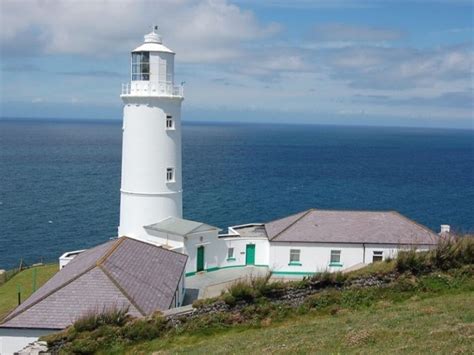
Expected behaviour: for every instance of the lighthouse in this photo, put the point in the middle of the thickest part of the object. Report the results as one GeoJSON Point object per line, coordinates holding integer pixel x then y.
{"type": "Point", "coordinates": [151, 186]}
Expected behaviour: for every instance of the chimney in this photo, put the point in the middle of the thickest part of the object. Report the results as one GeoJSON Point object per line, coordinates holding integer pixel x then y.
{"type": "Point", "coordinates": [445, 228]}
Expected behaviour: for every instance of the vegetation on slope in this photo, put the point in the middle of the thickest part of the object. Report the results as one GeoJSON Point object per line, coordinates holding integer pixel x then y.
{"type": "Point", "coordinates": [23, 281]}
{"type": "Point", "coordinates": [419, 302]}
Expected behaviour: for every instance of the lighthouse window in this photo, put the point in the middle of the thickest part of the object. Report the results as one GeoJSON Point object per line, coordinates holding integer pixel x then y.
{"type": "Point", "coordinates": [170, 174]}
{"type": "Point", "coordinates": [169, 122]}
{"type": "Point", "coordinates": [141, 66]}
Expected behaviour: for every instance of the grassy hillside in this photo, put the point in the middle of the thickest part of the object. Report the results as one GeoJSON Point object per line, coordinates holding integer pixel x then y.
{"type": "Point", "coordinates": [443, 324]}
{"type": "Point", "coordinates": [24, 279]}
{"type": "Point", "coordinates": [419, 303]}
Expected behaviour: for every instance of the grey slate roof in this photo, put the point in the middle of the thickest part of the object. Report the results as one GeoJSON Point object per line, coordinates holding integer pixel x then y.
{"type": "Point", "coordinates": [323, 226]}
{"type": "Point", "coordinates": [119, 273]}
{"type": "Point", "coordinates": [180, 226]}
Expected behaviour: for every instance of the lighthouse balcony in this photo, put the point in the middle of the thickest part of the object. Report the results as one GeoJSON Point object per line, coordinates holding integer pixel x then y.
{"type": "Point", "coordinates": [146, 88]}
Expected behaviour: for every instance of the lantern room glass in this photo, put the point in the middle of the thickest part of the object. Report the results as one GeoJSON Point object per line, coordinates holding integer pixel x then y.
{"type": "Point", "coordinates": [141, 66]}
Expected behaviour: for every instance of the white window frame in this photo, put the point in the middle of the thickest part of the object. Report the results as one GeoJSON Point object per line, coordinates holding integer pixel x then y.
{"type": "Point", "coordinates": [170, 175]}
{"type": "Point", "coordinates": [230, 253]}
{"type": "Point", "coordinates": [378, 254]}
{"type": "Point", "coordinates": [335, 253]}
{"type": "Point", "coordinates": [295, 256]}
{"type": "Point", "coordinates": [169, 122]}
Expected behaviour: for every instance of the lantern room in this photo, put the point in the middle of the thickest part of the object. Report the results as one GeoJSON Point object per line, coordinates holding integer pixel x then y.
{"type": "Point", "coordinates": [152, 69]}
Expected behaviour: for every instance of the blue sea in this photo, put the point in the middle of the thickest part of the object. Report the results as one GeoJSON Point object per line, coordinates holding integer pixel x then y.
{"type": "Point", "coordinates": [59, 180]}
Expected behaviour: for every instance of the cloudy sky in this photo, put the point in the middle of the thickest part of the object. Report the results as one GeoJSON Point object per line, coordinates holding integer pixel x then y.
{"type": "Point", "coordinates": [403, 63]}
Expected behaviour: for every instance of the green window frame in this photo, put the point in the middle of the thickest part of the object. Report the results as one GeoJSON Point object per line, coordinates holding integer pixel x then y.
{"type": "Point", "coordinates": [295, 255]}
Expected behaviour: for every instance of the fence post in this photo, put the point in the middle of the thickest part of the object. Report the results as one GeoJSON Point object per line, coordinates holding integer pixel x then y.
{"type": "Point", "coordinates": [18, 291]}
{"type": "Point", "coordinates": [34, 278]}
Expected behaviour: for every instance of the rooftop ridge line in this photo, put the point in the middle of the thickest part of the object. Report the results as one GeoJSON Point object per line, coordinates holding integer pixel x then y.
{"type": "Point", "coordinates": [121, 289]}
{"type": "Point", "coordinates": [291, 224]}
{"type": "Point", "coordinates": [109, 252]}
{"type": "Point", "coordinates": [426, 229]}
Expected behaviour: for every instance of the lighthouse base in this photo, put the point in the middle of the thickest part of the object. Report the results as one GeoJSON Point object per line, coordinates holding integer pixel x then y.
{"type": "Point", "coordinates": [139, 210]}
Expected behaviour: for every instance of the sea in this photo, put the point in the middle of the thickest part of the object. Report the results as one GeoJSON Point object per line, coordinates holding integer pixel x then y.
{"type": "Point", "coordinates": [60, 179]}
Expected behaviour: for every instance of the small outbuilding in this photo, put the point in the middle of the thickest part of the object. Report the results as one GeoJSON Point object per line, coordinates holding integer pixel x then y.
{"type": "Point", "coordinates": [122, 273]}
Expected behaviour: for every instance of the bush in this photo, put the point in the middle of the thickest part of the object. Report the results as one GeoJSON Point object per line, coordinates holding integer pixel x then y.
{"type": "Point", "coordinates": [324, 299]}
{"type": "Point", "coordinates": [141, 330]}
{"type": "Point", "coordinates": [242, 291]}
{"type": "Point", "coordinates": [412, 261]}
{"type": "Point", "coordinates": [94, 319]}
{"type": "Point", "coordinates": [229, 299]}
{"type": "Point", "coordinates": [83, 346]}
{"type": "Point", "coordinates": [450, 253]}
{"type": "Point", "coordinates": [251, 288]}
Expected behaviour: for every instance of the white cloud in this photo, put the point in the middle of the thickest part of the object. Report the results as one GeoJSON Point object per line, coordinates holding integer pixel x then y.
{"type": "Point", "coordinates": [201, 31]}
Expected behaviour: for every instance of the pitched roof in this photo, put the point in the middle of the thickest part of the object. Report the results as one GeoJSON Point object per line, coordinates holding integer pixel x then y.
{"type": "Point", "coordinates": [179, 226]}
{"type": "Point", "coordinates": [323, 226]}
{"type": "Point", "coordinates": [120, 273]}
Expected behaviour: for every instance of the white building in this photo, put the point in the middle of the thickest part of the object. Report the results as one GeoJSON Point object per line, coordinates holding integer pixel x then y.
{"type": "Point", "coordinates": [309, 242]}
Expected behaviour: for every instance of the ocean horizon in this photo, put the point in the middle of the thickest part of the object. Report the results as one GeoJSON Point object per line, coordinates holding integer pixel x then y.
{"type": "Point", "coordinates": [60, 179]}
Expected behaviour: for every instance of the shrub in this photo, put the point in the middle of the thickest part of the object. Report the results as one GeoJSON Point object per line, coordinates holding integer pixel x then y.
{"type": "Point", "coordinates": [250, 288]}
{"type": "Point", "coordinates": [241, 290]}
{"type": "Point", "coordinates": [94, 319]}
{"type": "Point", "coordinates": [84, 346]}
{"type": "Point", "coordinates": [412, 261]}
{"type": "Point", "coordinates": [324, 299]}
{"type": "Point", "coordinates": [451, 252]}
{"type": "Point", "coordinates": [141, 330]}
{"type": "Point", "coordinates": [228, 299]}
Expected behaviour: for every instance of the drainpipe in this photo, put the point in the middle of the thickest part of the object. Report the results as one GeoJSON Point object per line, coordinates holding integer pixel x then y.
{"type": "Point", "coordinates": [363, 258]}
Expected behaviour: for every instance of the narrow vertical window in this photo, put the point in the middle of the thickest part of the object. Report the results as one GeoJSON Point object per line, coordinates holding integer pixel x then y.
{"type": "Point", "coordinates": [230, 254]}
{"type": "Point", "coordinates": [169, 122]}
{"type": "Point", "coordinates": [170, 174]}
{"type": "Point", "coordinates": [295, 256]}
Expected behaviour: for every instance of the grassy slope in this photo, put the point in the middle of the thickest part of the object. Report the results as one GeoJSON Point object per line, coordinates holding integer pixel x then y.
{"type": "Point", "coordinates": [8, 291]}
{"type": "Point", "coordinates": [443, 324]}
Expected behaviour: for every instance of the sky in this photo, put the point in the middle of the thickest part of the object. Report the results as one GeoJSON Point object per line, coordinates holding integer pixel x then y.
{"type": "Point", "coordinates": [365, 62]}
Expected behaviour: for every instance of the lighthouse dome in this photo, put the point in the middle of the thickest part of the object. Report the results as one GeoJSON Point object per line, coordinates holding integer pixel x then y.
{"type": "Point", "coordinates": [153, 43]}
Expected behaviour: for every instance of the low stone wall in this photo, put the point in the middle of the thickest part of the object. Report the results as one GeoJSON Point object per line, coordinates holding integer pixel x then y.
{"type": "Point", "coordinates": [289, 296]}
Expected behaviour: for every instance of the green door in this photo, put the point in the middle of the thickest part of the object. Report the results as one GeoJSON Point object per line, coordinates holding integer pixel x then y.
{"type": "Point", "coordinates": [200, 259]}
{"type": "Point", "coordinates": [250, 254]}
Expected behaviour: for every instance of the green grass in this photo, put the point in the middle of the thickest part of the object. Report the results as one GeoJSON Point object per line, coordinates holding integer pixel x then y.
{"type": "Point", "coordinates": [414, 314]}
{"type": "Point", "coordinates": [443, 324]}
{"type": "Point", "coordinates": [8, 291]}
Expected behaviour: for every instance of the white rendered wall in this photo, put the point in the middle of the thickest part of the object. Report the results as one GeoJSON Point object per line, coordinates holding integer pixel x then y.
{"type": "Point", "coordinates": [149, 148]}
{"type": "Point", "coordinates": [13, 340]}
{"type": "Point", "coordinates": [212, 250]}
{"type": "Point", "coordinates": [215, 251]}
{"type": "Point", "coordinates": [315, 257]}
{"type": "Point", "coordinates": [262, 250]}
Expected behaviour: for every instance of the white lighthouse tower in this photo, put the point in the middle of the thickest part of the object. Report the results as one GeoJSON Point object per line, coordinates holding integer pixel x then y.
{"type": "Point", "coordinates": [151, 187]}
